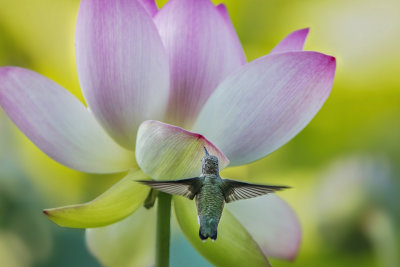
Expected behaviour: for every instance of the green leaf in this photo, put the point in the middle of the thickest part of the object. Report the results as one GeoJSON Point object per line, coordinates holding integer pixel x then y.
{"type": "Point", "coordinates": [234, 245]}
{"type": "Point", "coordinates": [116, 203]}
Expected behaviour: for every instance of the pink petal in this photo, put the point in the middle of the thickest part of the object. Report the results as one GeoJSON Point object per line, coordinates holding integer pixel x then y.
{"type": "Point", "coordinates": [59, 124]}
{"type": "Point", "coordinates": [293, 42]}
{"type": "Point", "coordinates": [150, 6]}
{"type": "Point", "coordinates": [122, 66]}
{"type": "Point", "coordinates": [272, 224]}
{"type": "Point", "coordinates": [202, 47]}
{"type": "Point", "coordinates": [266, 103]}
{"type": "Point", "coordinates": [221, 8]}
{"type": "Point", "coordinates": [167, 152]}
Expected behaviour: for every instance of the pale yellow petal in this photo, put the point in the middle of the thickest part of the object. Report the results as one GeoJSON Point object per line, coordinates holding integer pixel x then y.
{"type": "Point", "coordinates": [113, 205]}
{"type": "Point", "coordinates": [234, 245]}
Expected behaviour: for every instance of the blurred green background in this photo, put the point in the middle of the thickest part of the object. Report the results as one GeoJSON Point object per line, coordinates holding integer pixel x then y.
{"type": "Point", "coordinates": [344, 166]}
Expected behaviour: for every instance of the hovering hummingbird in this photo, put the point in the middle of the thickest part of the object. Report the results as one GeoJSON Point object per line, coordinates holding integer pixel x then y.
{"type": "Point", "coordinates": [211, 192]}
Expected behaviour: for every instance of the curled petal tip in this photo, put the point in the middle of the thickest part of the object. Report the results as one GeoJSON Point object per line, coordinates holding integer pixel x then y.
{"type": "Point", "coordinates": [223, 10]}
{"type": "Point", "coordinates": [160, 147]}
{"type": "Point", "coordinates": [293, 42]}
{"type": "Point", "coordinates": [306, 30]}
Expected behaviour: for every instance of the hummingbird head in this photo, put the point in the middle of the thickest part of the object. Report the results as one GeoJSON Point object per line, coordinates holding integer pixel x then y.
{"type": "Point", "coordinates": [209, 163]}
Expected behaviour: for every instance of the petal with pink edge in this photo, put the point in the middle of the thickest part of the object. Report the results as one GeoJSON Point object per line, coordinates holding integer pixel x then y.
{"type": "Point", "coordinates": [167, 152]}
{"type": "Point", "coordinates": [223, 11]}
{"type": "Point", "coordinates": [122, 66]}
{"type": "Point", "coordinates": [59, 124]}
{"type": "Point", "coordinates": [150, 6]}
{"type": "Point", "coordinates": [293, 42]}
{"type": "Point", "coordinates": [202, 48]}
{"type": "Point", "coordinates": [234, 245]}
{"type": "Point", "coordinates": [118, 202]}
{"type": "Point", "coordinates": [130, 242]}
{"type": "Point", "coordinates": [266, 103]}
{"type": "Point", "coordinates": [272, 224]}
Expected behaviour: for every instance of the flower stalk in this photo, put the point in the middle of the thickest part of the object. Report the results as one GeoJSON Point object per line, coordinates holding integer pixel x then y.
{"type": "Point", "coordinates": [163, 229]}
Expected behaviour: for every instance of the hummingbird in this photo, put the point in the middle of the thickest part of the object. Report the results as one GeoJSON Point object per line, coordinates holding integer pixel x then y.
{"type": "Point", "coordinates": [211, 193]}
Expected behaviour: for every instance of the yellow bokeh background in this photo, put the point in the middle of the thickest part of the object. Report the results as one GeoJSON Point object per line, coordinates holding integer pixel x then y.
{"type": "Point", "coordinates": [352, 145]}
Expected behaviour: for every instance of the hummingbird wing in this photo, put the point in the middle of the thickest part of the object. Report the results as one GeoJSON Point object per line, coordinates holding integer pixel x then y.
{"type": "Point", "coordinates": [185, 187]}
{"type": "Point", "coordinates": [235, 190]}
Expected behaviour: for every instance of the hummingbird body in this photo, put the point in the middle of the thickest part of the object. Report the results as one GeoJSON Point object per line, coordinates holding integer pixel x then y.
{"type": "Point", "coordinates": [210, 203]}
{"type": "Point", "coordinates": [211, 192]}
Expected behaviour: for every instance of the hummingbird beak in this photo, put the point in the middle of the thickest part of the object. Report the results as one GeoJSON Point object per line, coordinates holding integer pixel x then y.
{"type": "Point", "coordinates": [205, 150]}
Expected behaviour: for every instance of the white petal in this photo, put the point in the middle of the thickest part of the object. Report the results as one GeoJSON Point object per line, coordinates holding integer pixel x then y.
{"type": "Point", "coordinates": [272, 223]}
{"type": "Point", "coordinates": [122, 66]}
{"type": "Point", "coordinates": [266, 103]}
{"type": "Point", "coordinates": [203, 49]}
{"type": "Point", "coordinates": [59, 124]}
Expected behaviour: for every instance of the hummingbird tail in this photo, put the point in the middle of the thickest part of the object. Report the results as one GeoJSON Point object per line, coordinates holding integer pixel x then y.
{"type": "Point", "coordinates": [204, 235]}
{"type": "Point", "coordinates": [214, 237]}
{"type": "Point", "coordinates": [208, 230]}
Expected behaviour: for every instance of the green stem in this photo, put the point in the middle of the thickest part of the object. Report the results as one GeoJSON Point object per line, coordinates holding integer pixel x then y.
{"type": "Point", "coordinates": [163, 229]}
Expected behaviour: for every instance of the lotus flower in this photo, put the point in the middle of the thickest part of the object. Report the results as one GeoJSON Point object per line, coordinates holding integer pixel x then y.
{"type": "Point", "coordinates": [182, 65]}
